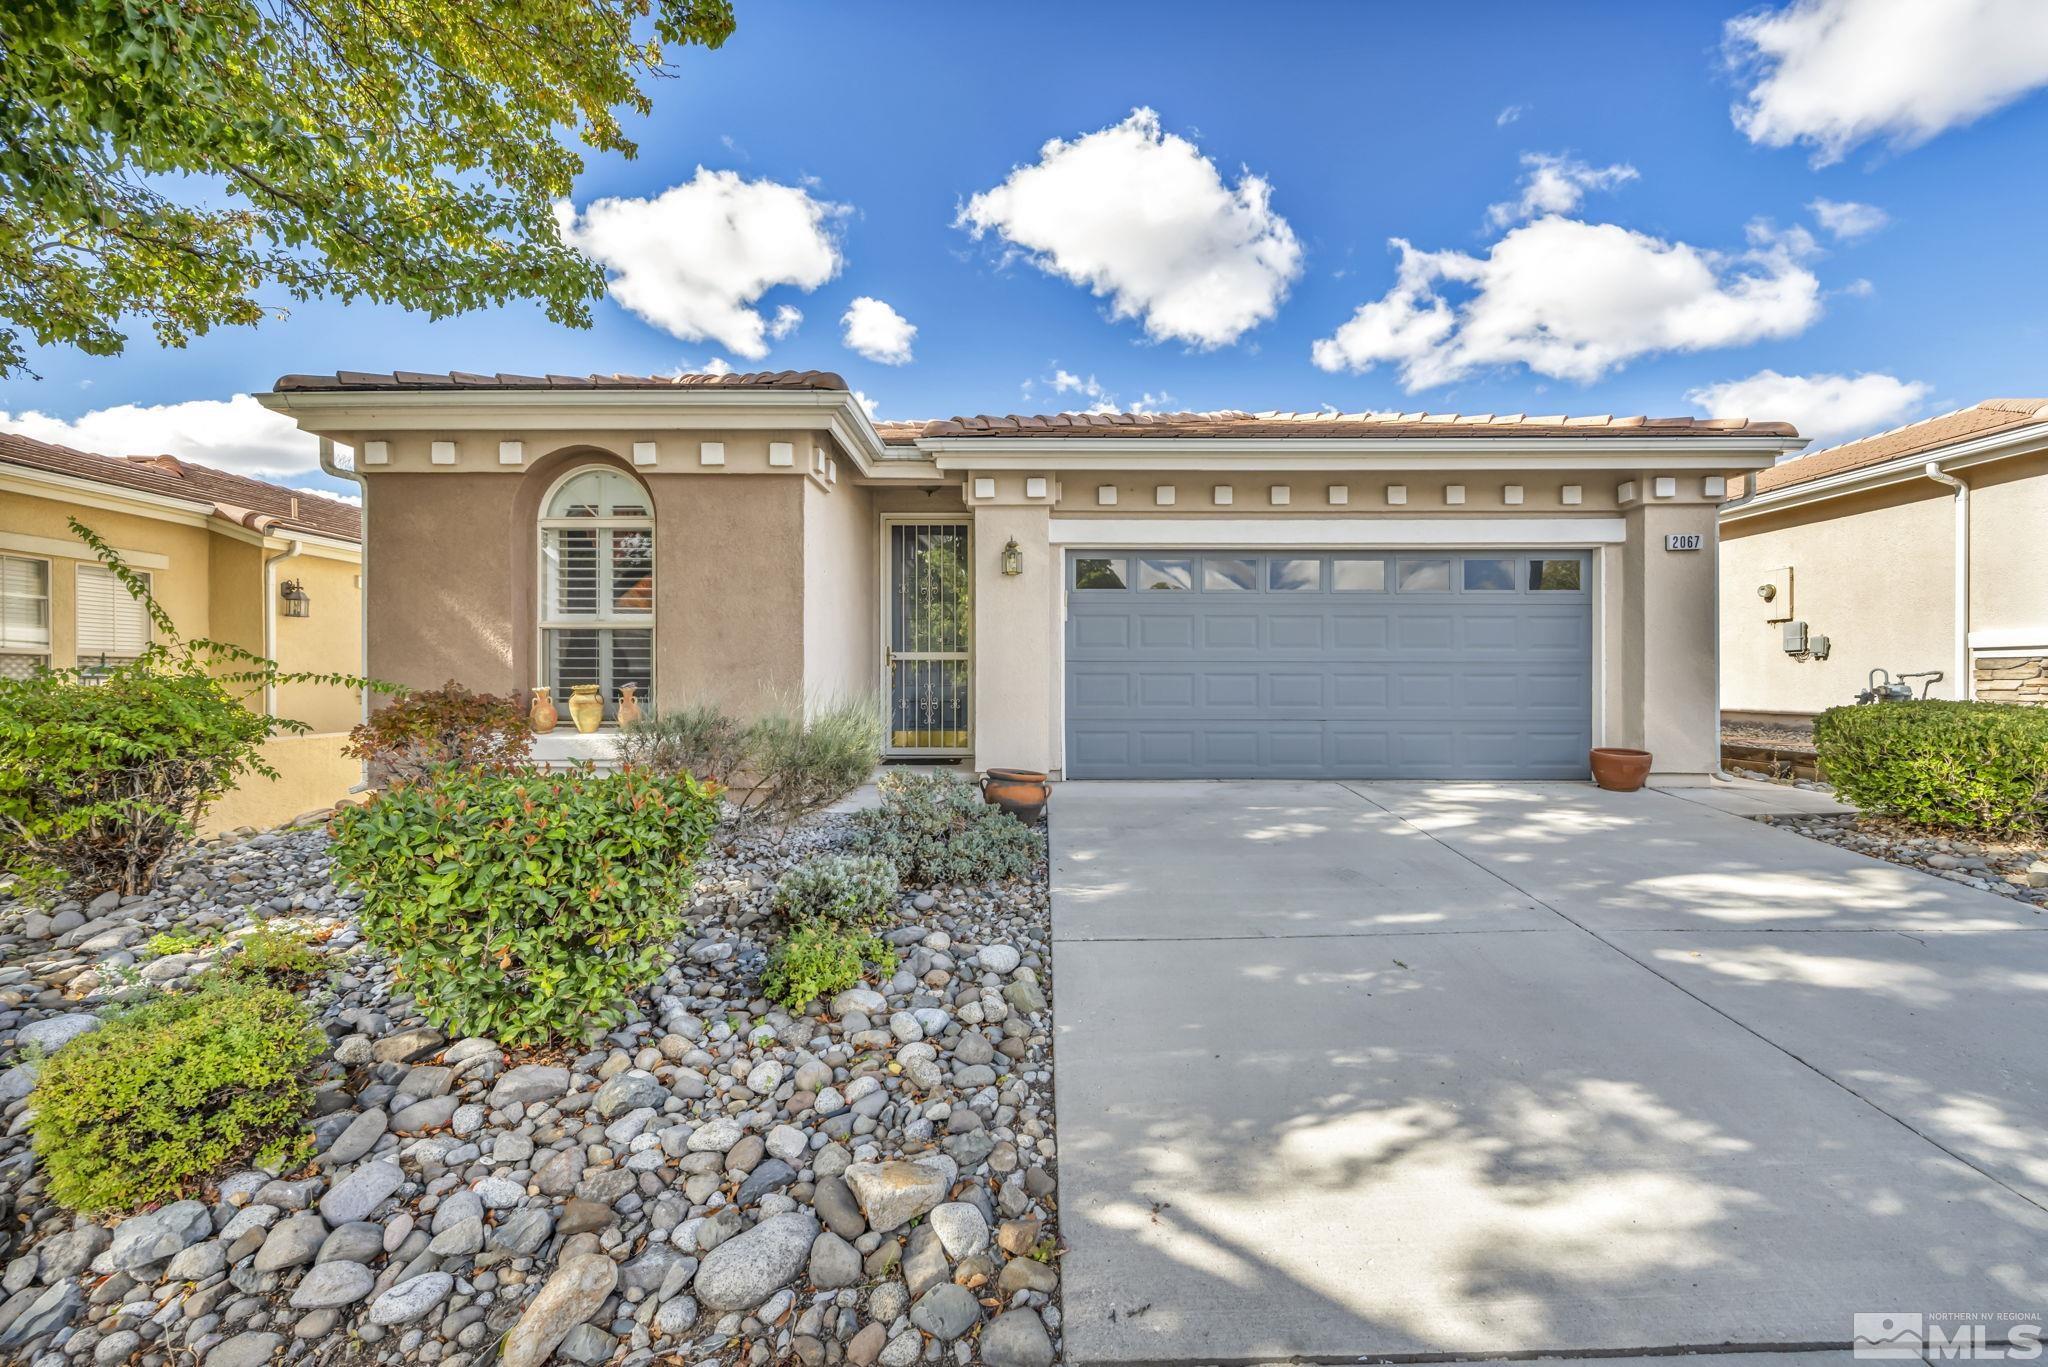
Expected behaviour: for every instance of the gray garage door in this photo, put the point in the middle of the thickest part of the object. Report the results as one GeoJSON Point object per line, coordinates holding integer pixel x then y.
{"type": "Point", "coordinates": [1203, 664]}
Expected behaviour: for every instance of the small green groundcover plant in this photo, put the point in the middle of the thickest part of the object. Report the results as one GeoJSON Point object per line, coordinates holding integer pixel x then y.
{"type": "Point", "coordinates": [937, 831]}
{"type": "Point", "coordinates": [1964, 766]}
{"type": "Point", "coordinates": [173, 1090]}
{"type": "Point", "coordinates": [525, 907]}
{"type": "Point", "coordinates": [819, 958]}
{"type": "Point", "coordinates": [848, 890]}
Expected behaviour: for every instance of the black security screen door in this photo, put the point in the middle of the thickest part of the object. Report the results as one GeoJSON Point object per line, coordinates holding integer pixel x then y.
{"type": "Point", "coordinates": [929, 626]}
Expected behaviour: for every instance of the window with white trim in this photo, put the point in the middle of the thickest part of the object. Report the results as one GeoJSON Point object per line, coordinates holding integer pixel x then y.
{"type": "Point", "coordinates": [113, 625]}
{"type": "Point", "coordinates": [597, 587]}
{"type": "Point", "coordinates": [24, 615]}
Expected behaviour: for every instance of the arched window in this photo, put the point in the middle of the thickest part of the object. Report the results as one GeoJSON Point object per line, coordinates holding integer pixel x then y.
{"type": "Point", "coordinates": [597, 586]}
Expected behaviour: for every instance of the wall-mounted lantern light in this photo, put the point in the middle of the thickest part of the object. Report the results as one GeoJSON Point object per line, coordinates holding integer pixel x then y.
{"type": "Point", "coordinates": [296, 602]}
{"type": "Point", "coordinates": [1013, 559]}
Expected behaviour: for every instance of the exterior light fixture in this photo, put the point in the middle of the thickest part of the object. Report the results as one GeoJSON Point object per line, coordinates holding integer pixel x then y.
{"type": "Point", "coordinates": [1013, 559]}
{"type": "Point", "coordinates": [296, 602]}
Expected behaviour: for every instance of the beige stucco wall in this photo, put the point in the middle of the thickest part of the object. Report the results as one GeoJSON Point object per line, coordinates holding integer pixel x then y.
{"type": "Point", "coordinates": [182, 588]}
{"type": "Point", "coordinates": [1871, 573]}
{"type": "Point", "coordinates": [329, 640]}
{"type": "Point", "coordinates": [311, 773]}
{"type": "Point", "coordinates": [1667, 629]}
{"type": "Point", "coordinates": [1310, 494]}
{"type": "Point", "coordinates": [2009, 561]}
{"type": "Point", "coordinates": [841, 609]}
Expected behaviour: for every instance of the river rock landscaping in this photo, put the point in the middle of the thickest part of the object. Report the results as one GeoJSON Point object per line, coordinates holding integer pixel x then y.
{"type": "Point", "coordinates": [2015, 869]}
{"type": "Point", "coordinates": [716, 1180]}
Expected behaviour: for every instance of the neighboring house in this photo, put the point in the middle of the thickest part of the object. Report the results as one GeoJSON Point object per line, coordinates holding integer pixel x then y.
{"type": "Point", "coordinates": [1858, 547]}
{"type": "Point", "coordinates": [1131, 595]}
{"type": "Point", "coordinates": [218, 551]}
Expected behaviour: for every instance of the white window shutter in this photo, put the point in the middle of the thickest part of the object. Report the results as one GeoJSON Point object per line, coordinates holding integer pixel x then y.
{"type": "Point", "coordinates": [110, 622]}
{"type": "Point", "coordinates": [24, 603]}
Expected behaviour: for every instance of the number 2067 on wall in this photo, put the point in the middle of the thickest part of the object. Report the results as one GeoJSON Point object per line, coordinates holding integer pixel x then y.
{"type": "Point", "coordinates": [1682, 541]}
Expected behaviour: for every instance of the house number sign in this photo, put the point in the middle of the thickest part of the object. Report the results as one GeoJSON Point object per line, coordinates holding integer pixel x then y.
{"type": "Point", "coordinates": [1681, 541]}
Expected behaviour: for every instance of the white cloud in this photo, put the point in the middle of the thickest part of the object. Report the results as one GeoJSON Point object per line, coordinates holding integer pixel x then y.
{"type": "Point", "coordinates": [1141, 217]}
{"type": "Point", "coordinates": [1574, 301]}
{"type": "Point", "coordinates": [696, 258]}
{"type": "Point", "coordinates": [236, 434]}
{"type": "Point", "coordinates": [1825, 407]}
{"type": "Point", "coordinates": [1835, 73]}
{"type": "Point", "coordinates": [1101, 399]}
{"type": "Point", "coordinates": [877, 331]}
{"type": "Point", "coordinates": [1555, 184]}
{"type": "Point", "coordinates": [872, 408]}
{"type": "Point", "coordinates": [1509, 115]}
{"type": "Point", "coordinates": [1847, 219]}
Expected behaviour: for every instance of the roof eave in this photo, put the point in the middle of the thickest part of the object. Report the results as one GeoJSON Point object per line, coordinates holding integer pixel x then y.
{"type": "Point", "coordinates": [1719, 453]}
{"type": "Point", "coordinates": [2014, 441]}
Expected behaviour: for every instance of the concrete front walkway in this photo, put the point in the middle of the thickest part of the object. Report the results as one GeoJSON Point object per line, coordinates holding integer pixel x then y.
{"type": "Point", "coordinates": [1487, 1069]}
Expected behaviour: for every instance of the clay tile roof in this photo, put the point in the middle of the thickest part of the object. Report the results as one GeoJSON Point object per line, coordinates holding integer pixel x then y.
{"type": "Point", "coordinates": [421, 380]}
{"type": "Point", "coordinates": [1931, 434]}
{"type": "Point", "coordinates": [249, 502]}
{"type": "Point", "coordinates": [1234, 423]}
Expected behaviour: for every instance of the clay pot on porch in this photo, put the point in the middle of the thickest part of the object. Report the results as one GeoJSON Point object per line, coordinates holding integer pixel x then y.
{"type": "Point", "coordinates": [586, 707]}
{"type": "Point", "coordinates": [1022, 793]}
{"type": "Point", "coordinates": [542, 716]}
{"type": "Point", "coordinates": [1620, 771]}
{"type": "Point", "coordinates": [629, 704]}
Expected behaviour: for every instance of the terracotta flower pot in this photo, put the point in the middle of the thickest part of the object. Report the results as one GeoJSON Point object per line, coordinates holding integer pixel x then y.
{"type": "Point", "coordinates": [1022, 793]}
{"type": "Point", "coordinates": [629, 704]}
{"type": "Point", "coordinates": [586, 707]}
{"type": "Point", "coordinates": [543, 717]}
{"type": "Point", "coordinates": [1620, 771]}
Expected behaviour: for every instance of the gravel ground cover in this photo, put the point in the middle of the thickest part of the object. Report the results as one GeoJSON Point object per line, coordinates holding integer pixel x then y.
{"type": "Point", "coordinates": [719, 1180]}
{"type": "Point", "coordinates": [2011, 869]}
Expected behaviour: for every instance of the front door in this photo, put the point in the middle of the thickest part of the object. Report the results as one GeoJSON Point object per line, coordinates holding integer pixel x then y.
{"type": "Point", "coordinates": [929, 624]}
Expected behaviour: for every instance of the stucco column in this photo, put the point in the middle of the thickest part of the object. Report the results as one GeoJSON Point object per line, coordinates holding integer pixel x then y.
{"type": "Point", "coordinates": [1016, 660]}
{"type": "Point", "coordinates": [1669, 641]}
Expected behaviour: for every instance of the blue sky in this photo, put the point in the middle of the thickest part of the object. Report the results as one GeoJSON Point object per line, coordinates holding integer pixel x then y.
{"type": "Point", "coordinates": [1670, 252]}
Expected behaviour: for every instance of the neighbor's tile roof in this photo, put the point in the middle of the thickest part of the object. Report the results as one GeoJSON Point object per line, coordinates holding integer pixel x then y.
{"type": "Point", "coordinates": [1276, 424]}
{"type": "Point", "coordinates": [414, 379]}
{"type": "Point", "coordinates": [250, 502]}
{"type": "Point", "coordinates": [1986, 418]}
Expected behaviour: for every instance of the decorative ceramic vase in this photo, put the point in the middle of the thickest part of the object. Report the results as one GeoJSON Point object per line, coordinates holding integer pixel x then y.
{"type": "Point", "coordinates": [1020, 792]}
{"type": "Point", "coordinates": [586, 707]}
{"type": "Point", "coordinates": [543, 718]}
{"type": "Point", "coordinates": [629, 704]}
{"type": "Point", "coordinates": [1620, 771]}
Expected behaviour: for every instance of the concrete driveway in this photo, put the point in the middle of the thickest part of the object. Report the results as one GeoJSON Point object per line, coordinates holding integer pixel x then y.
{"type": "Point", "coordinates": [1483, 1069]}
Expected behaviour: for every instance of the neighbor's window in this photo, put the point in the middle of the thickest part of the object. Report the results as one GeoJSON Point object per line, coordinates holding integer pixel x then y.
{"type": "Point", "coordinates": [24, 615]}
{"type": "Point", "coordinates": [1098, 572]}
{"type": "Point", "coordinates": [1224, 574]}
{"type": "Point", "coordinates": [597, 586]}
{"type": "Point", "coordinates": [1166, 574]}
{"type": "Point", "coordinates": [1288, 575]}
{"type": "Point", "coordinates": [1423, 576]}
{"type": "Point", "coordinates": [113, 626]}
{"type": "Point", "coordinates": [1554, 574]}
{"type": "Point", "coordinates": [1358, 576]}
{"type": "Point", "coordinates": [1489, 575]}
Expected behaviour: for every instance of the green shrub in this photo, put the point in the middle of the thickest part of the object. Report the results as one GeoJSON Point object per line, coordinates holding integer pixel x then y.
{"type": "Point", "coordinates": [178, 940]}
{"type": "Point", "coordinates": [849, 890]}
{"type": "Point", "coordinates": [777, 769]}
{"type": "Point", "coordinates": [820, 958]}
{"type": "Point", "coordinates": [1968, 766]}
{"type": "Point", "coordinates": [937, 830]}
{"type": "Point", "coordinates": [524, 907]}
{"type": "Point", "coordinates": [103, 773]}
{"type": "Point", "coordinates": [171, 1091]}
{"type": "Point", "coordinates": [438, 728]}
{"type": "Point", "coordinates": [703, 740]}
{"type": "Point", "coordinates": [272, 954]}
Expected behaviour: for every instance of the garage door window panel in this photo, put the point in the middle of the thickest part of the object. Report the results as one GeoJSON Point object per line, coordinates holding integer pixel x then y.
{"type": "Point", "coordinates": [1489, 575]}
{"type": "Point", "coordinates": [1351, 575]}
{"type": "Point", "coordinates": [1423, 576]}
{"type": "Point", "coordinates": [1171, 575]}
{"type": "Point", "coordinates": [1294, 576]}
{"type": "Point", "coordinates": [1222, 574]}
{"type": "Point", "coordinates": [1556, 576]}
{"type": "Point", "coordinates": [1100, 573]}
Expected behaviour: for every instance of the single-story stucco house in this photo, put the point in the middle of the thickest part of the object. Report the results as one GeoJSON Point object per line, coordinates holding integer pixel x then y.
{"type": "Point", "coordinates": [1397, 595]}
{"type": "Point", "coordinates": [270, 569]}
{"type": "Point", "coordinates": [1916, 551]}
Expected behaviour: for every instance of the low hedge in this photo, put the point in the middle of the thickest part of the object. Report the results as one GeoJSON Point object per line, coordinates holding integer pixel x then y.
{"type": "Point", "coordinates": [1965, 766]}
{"type": "Point", "coordinates": [174, 1090]}
{"type": "Point", "coordinates": [526, 906]}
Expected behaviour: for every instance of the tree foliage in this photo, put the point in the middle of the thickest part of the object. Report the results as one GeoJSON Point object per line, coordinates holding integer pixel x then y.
{"type": "Point", "coordinates": [176, 159]}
